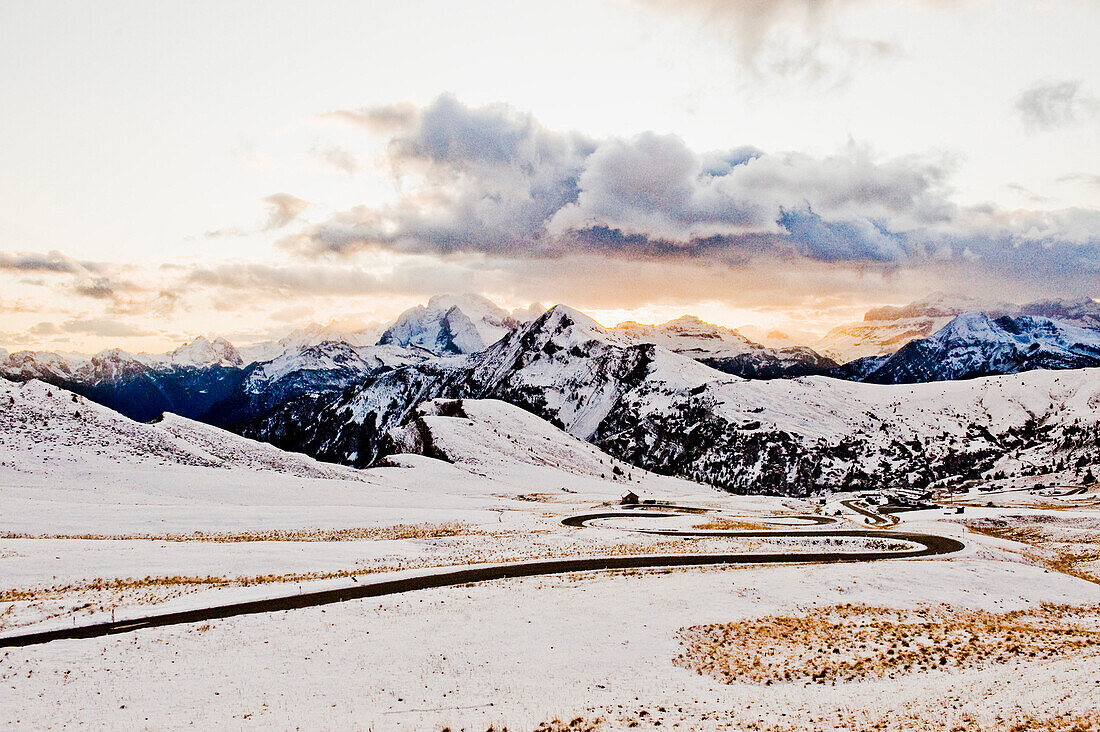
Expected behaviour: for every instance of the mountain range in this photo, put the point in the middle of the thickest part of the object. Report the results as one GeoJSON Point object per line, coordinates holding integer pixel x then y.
{"type": "Point", "coordinates": [670, 398]}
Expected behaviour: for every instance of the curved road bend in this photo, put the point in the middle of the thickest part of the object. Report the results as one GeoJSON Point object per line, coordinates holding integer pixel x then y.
{"type": "Point", "coordinates": [875, 517]}
{"type": "Point", "coordinates": [581, 519]}
{"type": "Point", "coordinates": [930, 545]}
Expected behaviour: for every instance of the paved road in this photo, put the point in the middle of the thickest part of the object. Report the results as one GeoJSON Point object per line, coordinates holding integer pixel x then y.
{"type": "Point", "coordinates": [877, 518]}
{"type": "Point", "coordinates": [929, 546]}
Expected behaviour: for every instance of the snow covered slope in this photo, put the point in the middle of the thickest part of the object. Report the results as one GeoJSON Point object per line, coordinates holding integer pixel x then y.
{"type": "Point", "coordinates": [47, 432]}
{"type": "Point", "coordinates": [661, 411]}
{"type": "Point", "coordinates": [975, 345]}
{"type": "Point", "coordinates": [497, 439]}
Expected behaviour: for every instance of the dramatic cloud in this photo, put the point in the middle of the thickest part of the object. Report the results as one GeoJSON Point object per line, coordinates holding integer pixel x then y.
{"type": "Point", "coordinates": [282, 209]}
{"type": "Point", "coordinates": [1049, 105]}
{"type": "Point", "coordinates": [495, 181]}
{"type": "Point", "coordinates": [492, 181]}
{"type": "Point", "coordinates": [96, 280]}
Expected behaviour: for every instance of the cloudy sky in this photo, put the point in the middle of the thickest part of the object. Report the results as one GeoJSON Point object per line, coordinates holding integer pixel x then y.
{"type": "Point", "coordinates": [170, 169]}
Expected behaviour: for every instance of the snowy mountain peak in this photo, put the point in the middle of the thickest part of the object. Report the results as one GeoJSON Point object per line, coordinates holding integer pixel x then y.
{"type": "Point", "coordinates": [562, 317]}
{"type": "Point", "coordinates": [473, 305]}
{"type": "Point", "coordinates": [969, 325]}
{"type": "Point", "coordinates": [450, 324]}
{"type": "Point", "coordinates": [204, 352]}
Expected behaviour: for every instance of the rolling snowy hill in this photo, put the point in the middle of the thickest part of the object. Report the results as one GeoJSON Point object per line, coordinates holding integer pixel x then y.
{"type": "Point", "coordinates": [47, 432]}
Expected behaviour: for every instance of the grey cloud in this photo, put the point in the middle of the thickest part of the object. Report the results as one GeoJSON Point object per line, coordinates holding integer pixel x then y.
{"type": "Point", "coordinates": [656, 186]}
{"type": "Point", "coordinates": [90, 279]}
{"type": "Point", "coordinates": [494, 182]}
{"type": "Point", "coordinates": [282, 209]}
{"type": "Point", "coordinates": [338, 158]}
{"type": "Point", "coordinates": [103, 327]}
{"type": "Point", "coordinates": [1028, 193]}
{"type": "Point", "coordinates": [377, 119]}
{"type": "Point", "coordinates": [53, 261]}
{"type": "Point", "coordinates": [99, 288]}
{"type": "Point", "coordinates": [492, 179]}
{"type": "Point", "coordinates": [45, 328]}
{"type": "Point", "coordinates": [791, 39]}
{"type": "Point", "coordinates": [1048, 105]}
{"type": "Point", "coordinates": [1090, 179]}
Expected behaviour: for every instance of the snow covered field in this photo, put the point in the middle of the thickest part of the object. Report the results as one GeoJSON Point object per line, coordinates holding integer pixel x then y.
{"type": "Point", "coordinates": [522, 652]}
{"type": "Point", "coordinates": [101, 515]}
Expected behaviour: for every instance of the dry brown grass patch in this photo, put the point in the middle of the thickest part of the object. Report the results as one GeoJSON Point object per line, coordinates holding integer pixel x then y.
{"type": "Point", "coordinates": [850, 642]}
{"type": "Point", "coordinates": [372, 533]}
{"type": "Point", "coordinates": [727, 524]}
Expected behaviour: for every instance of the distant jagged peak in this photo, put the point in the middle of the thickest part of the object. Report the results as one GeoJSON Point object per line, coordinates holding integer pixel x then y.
{"type": "Point", "coordinates": [1084, 311]}
{"type": "Point", "coordinates": [691, 335]}
{"type": "Point", "coordinates": [691, 325]}
{"type": "Point", "coordinates": [973, 324]}
{"type": "Point", "coordinates": [451, 324]}
{"type": "Point", "coordinates": [119, 356]}
{"type": "Point", "coordinates": [472, 304]}
{"type": "Point", "coordinates": [351, 331]}
{"type": "Point", "coordinates": [205, 352]}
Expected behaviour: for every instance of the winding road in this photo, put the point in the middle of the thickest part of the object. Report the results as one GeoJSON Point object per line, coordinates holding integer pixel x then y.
{"type": "Point", "coordinates": [876, 518]}
{"type": "Point", "coordinates": [929, 545]}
